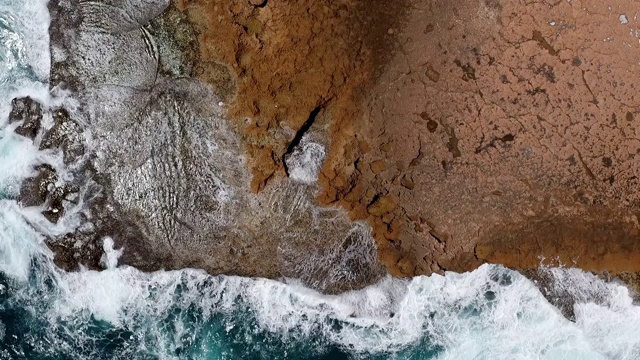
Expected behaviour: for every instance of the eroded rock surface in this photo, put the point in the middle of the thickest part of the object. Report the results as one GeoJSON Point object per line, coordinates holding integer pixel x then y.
{"type": "Point", "coordinates": [490, 131]}
{"type": "Point", "coordinates": [164, 169]}
{"type": "Point", "coordinates": [508, 134]}
{"type": "Point", "coordinates": [462, 132]}
{"type": "Point", "coordinates": [281, 61]}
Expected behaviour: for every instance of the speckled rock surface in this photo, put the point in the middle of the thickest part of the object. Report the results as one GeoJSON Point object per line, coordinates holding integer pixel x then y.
{"type": "Point", "coordinates": [505, 132]}
{"type": "Point", "coordinates": [484, 131]}
{"type": "Point", "coordinates": [163, 169]}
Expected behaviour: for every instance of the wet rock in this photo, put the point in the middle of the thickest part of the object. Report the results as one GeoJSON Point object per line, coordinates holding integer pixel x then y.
{"type": "Point", "coordinates": [546, 284]}
{"type": "Point", "coordinates": [171, 183]}
{"type": "Point", "coordinates": [565, 288]}
{"type": "Point", "coordinates": [75, 250]}
{"type": "Point", "coordinates": [34, 191]}
{"type": "Point", "coordinates": [44, 189]}
{"type": "Point", "coordinates": [57, 199]}
{"type": "Point", "coordinates": [66, 135]}
{"type": "Point", "coordinates": [28, 111]}
{"type": "Point", "coordinates": [319, 246]}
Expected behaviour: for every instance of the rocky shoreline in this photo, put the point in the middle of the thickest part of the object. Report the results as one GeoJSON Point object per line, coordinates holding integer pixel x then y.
{"type": "Point", "coordinates": [163, 171]}
{"type": "Point", "coordinates": [327, 141]}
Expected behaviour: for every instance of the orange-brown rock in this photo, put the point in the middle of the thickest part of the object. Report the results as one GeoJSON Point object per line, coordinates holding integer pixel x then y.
{"type": "Point", "coordinates": [287, 59]}
{"type": "Point", "coordinates": [464, 131]}
{"type": "Point", "coordinates": [512, 127]}
{"type": "Point", "coordinates": [382, 206]}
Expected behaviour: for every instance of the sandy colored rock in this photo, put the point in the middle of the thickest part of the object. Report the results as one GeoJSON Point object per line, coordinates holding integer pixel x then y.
{"type": "Point", "coordinates": [382, 206]}
{"type": "Point", "coordinates": [289, 59]}
{"type": "Point", "coordinates": [463, 132]}
{"type": "Point", "coordinates": [377, 167]}
{"type": "Point", "coordinates": [507, 122]}
{"type": "Point", "coordinates": [406, 266]}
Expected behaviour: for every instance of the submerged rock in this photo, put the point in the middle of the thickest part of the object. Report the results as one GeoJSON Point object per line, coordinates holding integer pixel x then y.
{"type": "Point", "coordinates": [34, 191]}
{"type": "Point", "coordinates": [47, 190]}
{"type": "Point", "coordinates": [29, 112]}
{"type": "Point", "coordinates": [569, 288]}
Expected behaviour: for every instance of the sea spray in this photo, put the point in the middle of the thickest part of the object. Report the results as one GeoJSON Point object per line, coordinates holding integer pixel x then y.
{"type": "Point", "coordinates": [18, 243]}
{"type": "Point", "coordinates": [489, 313]}
{"type": "Point", "coordinates": [110, 257]}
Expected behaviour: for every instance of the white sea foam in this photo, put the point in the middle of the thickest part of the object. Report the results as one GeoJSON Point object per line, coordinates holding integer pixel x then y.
{"type": "Point", "coordinates": [491, 313]}
{"type": "Point", "coordinates": [24, 45]}
{"type": "Point", "coordinates": [305, 162]}
{"type": "Point", "coordinates": [18, 155]}
{"type": "Point", "coordinates": [110, 257]}
{"type": "Point", "coordinates": [23, 55]}
{"type": "Point", "coordinates": [18, 242]}
{"type": "Point", "coordinates": [603, 310]}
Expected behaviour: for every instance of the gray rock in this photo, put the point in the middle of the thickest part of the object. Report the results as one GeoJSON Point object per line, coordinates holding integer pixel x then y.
{"type": "Point", "coordinates": [66, 135]}
{"type": "Point", "coordinates": [29, 112]}
{"type": "Point", "coordinates": [119, 16]}
{"type": "Point", "coordinates": [34, 191]}
{"type": "Point", "coordinates": [44, 190]}
{"type": "Point", "coordinates": [171, 181]}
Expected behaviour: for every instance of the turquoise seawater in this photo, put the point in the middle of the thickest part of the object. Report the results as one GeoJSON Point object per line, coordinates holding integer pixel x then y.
{"type": "Point", "coordinates": [122, 313]}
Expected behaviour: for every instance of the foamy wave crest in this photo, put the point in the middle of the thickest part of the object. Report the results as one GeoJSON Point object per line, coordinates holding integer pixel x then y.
{"type": "Point", "coordinates": [24, 47]}
{"type": "Point", "coordinates": [605, 311]}
{"type": "Point", "coordinates": [491, 313]}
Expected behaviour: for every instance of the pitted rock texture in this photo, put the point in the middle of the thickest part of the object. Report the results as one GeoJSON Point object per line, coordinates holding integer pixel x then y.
{"type": "Point", "coordinates": [490, 131]}
{"type": "Point", "coordinates": [504, 132]}
{"type": "Point", "coordinates": [279, 61]}
{"type": "Point", "coordinates": [66, 135]}
{"type": "Point", "coordinates": [164, 167]}
{"type": "Point", "coordinates": [29, 113]}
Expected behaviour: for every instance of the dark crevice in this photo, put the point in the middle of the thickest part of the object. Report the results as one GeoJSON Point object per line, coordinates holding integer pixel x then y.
{"type": "Point", "coordinates": [585, 166]}
{"type": "Point", "coordinates": [376, 197]}
{"type": "Point", "coordinates": [435, 236]}
{"type": "Point", "coordinates": [537, 36]}
{"type": "Point", "coordinates": [418, 158]}
{"type": "Point", "coordinates": [586, 84]}
{"type": "Point", "coordinates": [492, 144]}
{"type": "Point", "coordinates": [299, 134]}
{"type": "Point", "coordinates": [261, 5]}
{"type": "Point", "coordinates": [452, 145]}
{"type": "Point", "coordinates": [469, 72]}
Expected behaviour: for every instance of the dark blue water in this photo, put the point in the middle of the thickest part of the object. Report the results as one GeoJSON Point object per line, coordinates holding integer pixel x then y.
{"type": "Point", "coordinates": [34, 328]}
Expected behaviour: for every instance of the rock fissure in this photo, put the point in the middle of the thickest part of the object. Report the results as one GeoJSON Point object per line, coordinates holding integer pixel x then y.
{"type": "Point", "coordinates": [306, 126]}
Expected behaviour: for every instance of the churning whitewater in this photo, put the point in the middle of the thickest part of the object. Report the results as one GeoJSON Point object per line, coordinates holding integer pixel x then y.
{"type": "Point", "coordinates": [122, 313]}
